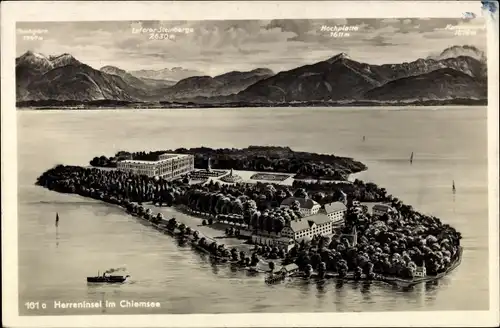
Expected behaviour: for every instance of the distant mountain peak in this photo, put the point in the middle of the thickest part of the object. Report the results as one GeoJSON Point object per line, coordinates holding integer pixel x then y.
{"type": "Point", "coordinates": [63, 60]}
{"type": "Point", "coordinates": [110, 69]}
{"type": "Point", "coordinates": [263, 71]}
{"type": "Point", "coordinates": [31, 53]}
{"type": "Point", "coordinates": [60, 56]}
{"type": "Point", "coordinates": [337, 57]}
{"type": "Point", "coordinates": [460, 51]}
{"type": "Point", "coordinates": [34, 60]}
{"type": "Point", "coordinates": [175, 74]}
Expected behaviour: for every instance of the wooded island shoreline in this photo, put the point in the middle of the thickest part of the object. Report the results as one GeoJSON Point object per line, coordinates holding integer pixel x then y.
{"type": "Point", "coordinates": [51, 104]}
{"type": "Point", "coordinates": [400, 246]}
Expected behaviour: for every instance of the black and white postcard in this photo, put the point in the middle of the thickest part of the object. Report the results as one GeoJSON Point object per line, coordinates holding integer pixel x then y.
{"type": "Point", "coordinates": [249, 164]}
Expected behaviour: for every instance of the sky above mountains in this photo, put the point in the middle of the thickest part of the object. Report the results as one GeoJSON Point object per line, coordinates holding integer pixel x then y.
{"type": "Point", "coordinates": [216, 47]}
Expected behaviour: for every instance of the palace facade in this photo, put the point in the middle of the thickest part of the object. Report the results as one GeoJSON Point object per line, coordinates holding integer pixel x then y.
{"type": "Point", "coordinates": [168, 166]}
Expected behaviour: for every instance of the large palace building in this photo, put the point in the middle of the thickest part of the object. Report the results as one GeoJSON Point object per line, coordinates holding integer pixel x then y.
{"type": "Point", "coordinates": [168, 166]}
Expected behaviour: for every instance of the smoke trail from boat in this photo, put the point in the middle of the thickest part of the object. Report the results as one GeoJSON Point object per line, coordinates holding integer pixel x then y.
{"type": "Point", "coordinates": [115, 270]}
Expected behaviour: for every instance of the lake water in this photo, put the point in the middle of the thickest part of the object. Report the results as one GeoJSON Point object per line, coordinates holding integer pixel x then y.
{"type": "Point", "coordinates": [448, 143]}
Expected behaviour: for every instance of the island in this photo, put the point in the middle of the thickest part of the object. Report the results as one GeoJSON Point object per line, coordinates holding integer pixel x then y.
{"type": "Point", "coordinates": [273, 210]}
{"type": "Point", "coordinates": [266, 160]}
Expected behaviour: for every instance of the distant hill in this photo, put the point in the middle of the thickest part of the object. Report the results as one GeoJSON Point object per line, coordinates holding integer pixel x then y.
{"type": "Point", "coordinates": [174, 74]}
{"type": "Point", "coordinates": [455, 75]}
{"type": "Point", "coordinates": [127, 77]}
{"type": "Point", "coordinates": [458, 51]}
{"type": "Point", "coordinates": [221, 85]}
{"type": "Point", "coordinates": [64, 78]}
{"type": "Point", "coordinates": [444, 83]}
{"type": "Point", "coordinates": [80, 82]}
{"type": "Point", "coordinates": [141, 83]}
{"type": "Point", "coordinates": [31, 66]}
{"type": "Point", "coordinates": [334, 79]}
{"type": "Point", "coordinates": [340, 78]}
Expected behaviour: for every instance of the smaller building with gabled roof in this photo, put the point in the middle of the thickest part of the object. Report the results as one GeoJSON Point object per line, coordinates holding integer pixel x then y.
{"type": "Point", "coordinates": [306, 228]}
{"type": "Point", "coordinates": [335, 212]}
{"type": "Point", "coordinates": [290, 268]}
{"type": "Point", "coordinates": [381, 209]}
{"type": "Point", "coordinates": [307, 205]}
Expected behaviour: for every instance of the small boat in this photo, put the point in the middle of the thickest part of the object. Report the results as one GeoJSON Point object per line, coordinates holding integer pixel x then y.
{"type": "Point", "coordinates": [57, 219]}
{"type": "Point", "coordinates": [109, 279]}
{"type": "Point", "coordinates": [411, 158]}
{"type": "Point", "coordinates": [453, 187]}
{"type": "Point", "coordinates": [364, 138]}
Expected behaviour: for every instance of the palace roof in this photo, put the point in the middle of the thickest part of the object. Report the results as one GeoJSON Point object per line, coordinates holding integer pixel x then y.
{"type": "Point", "coordinates": [334, 207]}
{"type": "Point", "coordinates": [381, 208]}
{"type": "Point", "coordinates": [304, 202]}
{"type": "Point", "coordinates": [308, 222]}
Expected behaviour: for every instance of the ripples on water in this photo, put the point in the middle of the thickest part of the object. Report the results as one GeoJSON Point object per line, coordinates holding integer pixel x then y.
{"type": "Point", "coordinates": [449, 144]}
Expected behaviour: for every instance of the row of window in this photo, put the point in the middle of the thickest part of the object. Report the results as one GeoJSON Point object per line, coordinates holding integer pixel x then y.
{"type": "Point", "coordinates": [143, 172]}
{"type": "Point", "coordinates": [135, 166]}
{"type": "Point", "coordinates": [151, 167]}
{"type": "Point", "coordinates": [322, 229]}
{"type": "Point", "coordinates": [164, 171]}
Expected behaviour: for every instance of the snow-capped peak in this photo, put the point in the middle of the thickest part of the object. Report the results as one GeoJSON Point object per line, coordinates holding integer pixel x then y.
{"type": "Point", "coordinates": [34, 55]}
{"type": "Point", "coordinates": [38, 55]}
{"type": "Point", "coordinates": [340, 56]}
{"type": "Point", "coordinates": [63, 60]}
{"type": "Point", "coordinates": [35, 60]}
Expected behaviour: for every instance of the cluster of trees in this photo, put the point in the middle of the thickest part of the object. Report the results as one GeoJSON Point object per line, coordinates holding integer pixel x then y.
{"type": "Point", "coordinates": [103, 161]}
{"type": "Point", "coordinates": [268, 252]}
{"type": "Point", "coordinates": [233, 232]}
{"type": "Point", "coordinates": [263, 195]}
{"type": "Point", "coordinates": [235, 201]}
{"type": "Point", "coordinates": [265, 159]}
{"type": "Point", "coordinates": [325, 193]}
{"type": "Point", "coordinates": [242, 259]}
{"type": "Point", "coordinates": [104, 184]}
{"type": "Point", "coordinates": [146, 156]}
{"type": "Point", "coordinates": [392, 245]}
{"type": "Point", "coordinates": [268, 195]}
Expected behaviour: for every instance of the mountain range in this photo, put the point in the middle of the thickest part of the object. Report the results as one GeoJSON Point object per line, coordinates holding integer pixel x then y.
{"type": "Point", "coordinates": [459, 72]}
{"type": "Point", "coordinates": [174, 74]}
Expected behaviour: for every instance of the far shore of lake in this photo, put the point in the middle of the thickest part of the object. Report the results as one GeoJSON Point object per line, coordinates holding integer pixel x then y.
{"type": "Point", "coordinates": [117, 104]}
